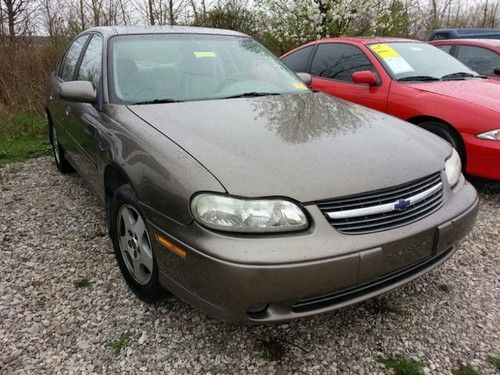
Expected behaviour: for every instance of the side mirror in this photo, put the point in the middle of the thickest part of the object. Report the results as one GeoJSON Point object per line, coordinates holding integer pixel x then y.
{"type": "Point", "coordinates": [497, 71]}
{"type": "Point", "coordinates": [78, 91]}
{"type": "Point", "coordinates": [306, 78]}
{"type": "Point", "coordinates": [364, 76]}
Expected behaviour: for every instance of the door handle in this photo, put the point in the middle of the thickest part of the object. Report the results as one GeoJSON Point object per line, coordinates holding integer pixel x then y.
{"type": "Point", "coordinates": [89, 124]}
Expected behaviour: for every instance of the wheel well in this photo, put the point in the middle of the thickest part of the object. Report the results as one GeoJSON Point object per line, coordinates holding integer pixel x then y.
{"type": "Point", "coordinates": [114, 177]}
{"type": "Point", "coordinates": [421, 119]}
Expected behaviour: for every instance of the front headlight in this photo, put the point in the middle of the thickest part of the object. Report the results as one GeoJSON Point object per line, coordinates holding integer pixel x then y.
{"type": "Point", "coordinates": [492, 135]}
{"type": "Point", "coordinates": [231, 214]}
{"type": "Point", "coordinates": [453, 168]}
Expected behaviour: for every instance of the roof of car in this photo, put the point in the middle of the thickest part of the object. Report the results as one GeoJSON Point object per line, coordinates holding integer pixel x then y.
{"type": "Point", "coordinates": [136, 30]}
{"type": "Point", "coordinates": [484, 42]}
{"type": "Point", "coordinates": [365, 39]}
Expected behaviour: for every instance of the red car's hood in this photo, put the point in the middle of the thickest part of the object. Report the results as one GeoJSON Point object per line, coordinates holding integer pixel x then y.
{"type": "Point", "coordinates": [481, 92]}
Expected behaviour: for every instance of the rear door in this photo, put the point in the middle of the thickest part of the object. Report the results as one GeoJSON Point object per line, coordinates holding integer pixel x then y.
{"type": "Point", "coordinates": [332, 67]}
{"type": "Point", "coordinates": [84, 118]}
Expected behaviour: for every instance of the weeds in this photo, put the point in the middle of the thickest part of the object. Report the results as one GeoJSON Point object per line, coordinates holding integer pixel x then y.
{"type": "Point", "coordinates": [444, 288]}
{"type": "Point", "coordinates": [272, 349]}
{"type": "Point", "coordinates": [119, 344]}
{"type": "Point", "coordinates": [402, 366]}
{"type": "Point", "coordinates": [495, 361]}
{"type": "Point", "coordinates": [465, 370]}
{"type": "Point", "coordinates": [81, 283]}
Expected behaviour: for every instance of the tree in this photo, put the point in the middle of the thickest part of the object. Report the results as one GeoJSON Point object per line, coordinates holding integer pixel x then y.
{"type": "Point", "coordinates": [17, 16]}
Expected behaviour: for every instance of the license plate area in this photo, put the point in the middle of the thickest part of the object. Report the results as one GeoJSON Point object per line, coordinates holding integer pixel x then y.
{"type": "Point", "coordinates": [408, 251]}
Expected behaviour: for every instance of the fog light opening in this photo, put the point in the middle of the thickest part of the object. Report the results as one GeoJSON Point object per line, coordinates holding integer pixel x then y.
{"type": "Point", "coordinates": [257, 309]}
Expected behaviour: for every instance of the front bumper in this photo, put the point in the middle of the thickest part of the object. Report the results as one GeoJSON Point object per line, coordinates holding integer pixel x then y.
{"type": "Point", "coordinates": [483, 157]}
{"type": "Point", "coordinates": [307, 273]}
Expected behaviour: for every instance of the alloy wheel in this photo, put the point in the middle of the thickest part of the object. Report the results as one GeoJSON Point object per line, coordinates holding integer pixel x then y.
{"type": "Point", "coordinates": [134, 243]}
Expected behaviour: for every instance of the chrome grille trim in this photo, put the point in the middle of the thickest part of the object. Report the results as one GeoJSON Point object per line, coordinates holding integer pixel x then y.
{"type": "Point", "coordinates": [377, 211]}
{"type": "Point", "coordinates": [387, 207]}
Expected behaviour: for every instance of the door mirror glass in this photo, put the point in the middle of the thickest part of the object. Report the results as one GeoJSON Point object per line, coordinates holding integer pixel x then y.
{"type": "Point", "coordinates": [364, 76]}
{"type": "Point", "coordinates": [78, 91]}
{"type": "Point", "coordinates": [306, 78]}
{"type": "Point", "coordinates": [497, 71]}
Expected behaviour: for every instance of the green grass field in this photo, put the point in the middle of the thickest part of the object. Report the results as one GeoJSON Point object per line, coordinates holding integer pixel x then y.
{"type": "Point", "coordinates": [22, 137]}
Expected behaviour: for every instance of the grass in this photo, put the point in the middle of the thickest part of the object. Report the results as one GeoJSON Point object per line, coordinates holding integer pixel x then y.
{"type": "Point", "coordinates": [119, 344]}
{"type": "Point", "coordinates": [22, 137]}
{"type": "Point", "coordinates": [402, 366]}
{"type": "Point", "coordinates": [465, 370]}
{"type": "Point", "coordinates": [272, 349]}
{"type": "Point", "coordinates": [495, 361]}
{"type": "Point", "coordinates": [81, 283]}
{"type": "Point", "coordinates": [444, 288]}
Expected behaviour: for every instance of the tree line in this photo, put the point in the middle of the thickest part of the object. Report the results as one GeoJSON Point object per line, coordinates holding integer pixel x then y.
{"type": "Point", "coordinates": [33, 33]}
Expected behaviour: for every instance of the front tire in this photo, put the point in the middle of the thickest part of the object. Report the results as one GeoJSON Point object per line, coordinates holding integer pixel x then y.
{"type": "Point", "coordinates": [447, 134]}
{"type": "Point", "coordinates": [133, 246]}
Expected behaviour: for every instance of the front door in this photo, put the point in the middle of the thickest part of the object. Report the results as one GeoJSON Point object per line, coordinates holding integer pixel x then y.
{"type": "Point", "coordinates": [332, 68]}
{"type": "Point", "coordinates": [84, 118]}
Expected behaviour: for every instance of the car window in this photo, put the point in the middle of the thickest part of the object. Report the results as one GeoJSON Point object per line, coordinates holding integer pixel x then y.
{"type": "Point", "coordinates": [297, 61]}
{"type": "Point", "coordinates": [339, 61]}
{"type": "Point", "coordinates": [440, 36]}
{"type": "Point", "coordinates": [71, 58]}
{"type": "Point", "coordinates": [90, 68]}
{"type": "Point", "coordinates": [446, 48]}
{"type": "Point", "coordinates": [407, 60]}
{"type": "Point", "coordinates": [186, 67]}
{"type": "Point", "coordinates": [479, 59]}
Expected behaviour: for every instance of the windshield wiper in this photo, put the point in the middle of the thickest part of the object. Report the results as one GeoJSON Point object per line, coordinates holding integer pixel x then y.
{"type": "Point", "coordinates": [252, 94]}
{"type": "Point", "coordinates": [418, 78]}
{"type": "Point", "coordinates": [159, 101]}
{"type": "Point", "coordinates": [458, 75]}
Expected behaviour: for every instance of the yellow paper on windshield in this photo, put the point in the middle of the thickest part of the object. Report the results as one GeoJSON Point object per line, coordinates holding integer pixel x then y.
{"type": "Point", "coordinates": [202, 54]}
{"type": "Point", "coordinates": [385, 51]}
{"type": "Point", "coordinates": [299, 85]}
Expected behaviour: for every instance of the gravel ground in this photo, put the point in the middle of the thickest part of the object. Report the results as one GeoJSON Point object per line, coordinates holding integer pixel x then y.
{"type": "Point", "coordinates": [53, 234]}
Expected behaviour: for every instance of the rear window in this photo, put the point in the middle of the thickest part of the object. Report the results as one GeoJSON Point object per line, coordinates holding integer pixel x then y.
{"type": "Point", "coordinates": [297, 61]}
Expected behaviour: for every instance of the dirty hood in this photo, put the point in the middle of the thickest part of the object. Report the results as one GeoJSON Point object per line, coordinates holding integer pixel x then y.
{"type": "Point", "coordinates": [482, 92]}
{"type": "Point", "coordinates": [305, 146]}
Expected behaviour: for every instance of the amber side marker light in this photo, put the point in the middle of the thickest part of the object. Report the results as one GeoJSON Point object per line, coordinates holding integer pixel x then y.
{"type": "Point", "coordinates": [170, 245]}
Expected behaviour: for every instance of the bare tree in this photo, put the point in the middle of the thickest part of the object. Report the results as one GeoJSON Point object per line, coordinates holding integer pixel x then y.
{"type": "Point", "coordinates": [163, 12]}
{"type": "Point", "coordinates": [17, 14]}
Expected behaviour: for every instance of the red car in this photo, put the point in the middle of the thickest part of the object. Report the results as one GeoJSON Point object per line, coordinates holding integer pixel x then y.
{"type": "Point", "coordinates": [481, 55]}
{"type": "Point", "coordinates": [416, 82]}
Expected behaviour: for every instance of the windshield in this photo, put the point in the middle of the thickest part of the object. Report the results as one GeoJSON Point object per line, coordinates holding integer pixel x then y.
{"type": "Point", "coordinates": [419, 61]}
{"type": "Point", "coordinates": [185, 67]}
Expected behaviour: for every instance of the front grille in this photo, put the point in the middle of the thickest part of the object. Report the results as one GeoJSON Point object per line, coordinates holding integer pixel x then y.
{"type": "Point", "coordinates": [337, 298]}
{"type": "Point", "coordinates": [376, 211]}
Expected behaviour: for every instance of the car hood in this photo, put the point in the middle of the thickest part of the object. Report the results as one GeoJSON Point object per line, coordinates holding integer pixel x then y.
{"type": "Point", "coordinates": [306, 146]}
{"type": "Point", "coordinates": [482, 92]}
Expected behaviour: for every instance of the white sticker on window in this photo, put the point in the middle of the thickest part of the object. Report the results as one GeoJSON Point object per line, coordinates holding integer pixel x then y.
{"type": "Point", "coordinates": [398, 65]}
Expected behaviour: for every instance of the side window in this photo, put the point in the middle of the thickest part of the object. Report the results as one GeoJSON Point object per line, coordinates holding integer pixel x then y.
{"type": "Point", "coordinates": [71, 58]}
{"type": "Point", "coordinates": [440, 36]}
{"type": "Point", "coordinates": [446, 48]}
{"type": "Point", "coordinates": [479, 59]}
{"type": "Point", "coordinates": [297, 61]}
{"type": "Point", "coordinates": [339, 61]}
{"type": "Point", "coordinates": [90, 68]}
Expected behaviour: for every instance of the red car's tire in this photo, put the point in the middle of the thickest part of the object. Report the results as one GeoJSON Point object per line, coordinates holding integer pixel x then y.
{"type": "Point", "coordinates": [442, 130]}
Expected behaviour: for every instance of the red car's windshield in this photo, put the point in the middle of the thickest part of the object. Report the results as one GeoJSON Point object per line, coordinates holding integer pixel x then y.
{"type": "Point", "coordinates": [419, 61]}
